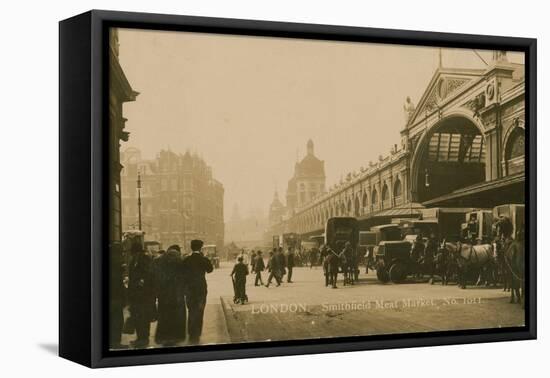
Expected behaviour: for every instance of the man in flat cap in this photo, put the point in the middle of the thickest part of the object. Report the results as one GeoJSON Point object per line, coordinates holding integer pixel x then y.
{"type": "Point", "coordinates": [194, 268]}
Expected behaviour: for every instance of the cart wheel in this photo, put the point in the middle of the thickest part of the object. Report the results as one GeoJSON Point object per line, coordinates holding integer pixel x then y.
{"type": "Point", "coordinates": [382, 275]}
{"type": "Point", "coordinates": [397, 272]}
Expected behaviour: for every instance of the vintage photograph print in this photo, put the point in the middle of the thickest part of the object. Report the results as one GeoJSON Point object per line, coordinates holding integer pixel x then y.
{"type": "Point", "coordinates": [279, 189]}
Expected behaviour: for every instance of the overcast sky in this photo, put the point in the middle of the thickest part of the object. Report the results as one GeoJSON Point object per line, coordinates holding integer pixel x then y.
{"type": "Point", "coordinates": [248, 105]}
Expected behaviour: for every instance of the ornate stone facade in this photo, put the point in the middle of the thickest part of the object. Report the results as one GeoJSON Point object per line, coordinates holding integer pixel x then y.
{"type": "Point", "coordinates": [181, 200]}
{"type": "Point", "coordinates": [462, 145]}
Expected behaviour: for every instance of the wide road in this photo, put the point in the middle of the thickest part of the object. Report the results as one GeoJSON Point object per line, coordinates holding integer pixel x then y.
{"type": "Point", "coordinates": [307, 309]}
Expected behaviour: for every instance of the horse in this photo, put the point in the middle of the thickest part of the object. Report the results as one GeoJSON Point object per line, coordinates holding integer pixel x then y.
{"type": "Point", "coordinates": [444, 265]}
{"type": "Point", "coordinates": [514, 256]}
{"type": "Point", "coordinates": [331, 266]}
{"type": "Point", "coordinates": [513, 251]}
{"type": "Point", "coordinates": [469, 259]}
{"type": "Point", "coordinates": [349, 264]}
{"type": "Point", "coordinates": [503, 275]}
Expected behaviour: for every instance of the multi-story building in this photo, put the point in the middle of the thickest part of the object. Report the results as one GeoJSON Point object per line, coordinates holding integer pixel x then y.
{"type": "Point", "coordinates": [308, 180]}
{"type": "Point", "coordinates": [463, 145]}
{"type": "Point", "coordinates": [180, 199]}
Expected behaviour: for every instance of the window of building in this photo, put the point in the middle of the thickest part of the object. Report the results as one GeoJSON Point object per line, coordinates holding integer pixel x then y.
{"type": "Point", "coordinates": [397, 191]}
{"type": "Point", "coordinates": [516, 144]}
{"type": "Point", "coordinates": [385, 195]}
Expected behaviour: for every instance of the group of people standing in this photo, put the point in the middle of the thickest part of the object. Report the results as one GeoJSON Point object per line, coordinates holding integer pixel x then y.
{"type": "Point", "coordinates": [278, 265]}
{"type": "Point", "coordinates": [170, 289]}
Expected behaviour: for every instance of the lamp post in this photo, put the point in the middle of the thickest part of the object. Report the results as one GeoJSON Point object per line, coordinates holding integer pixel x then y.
{"type": "Point", "coordinates": [139, 199]}
{"type": "Point", "coordinates": [181, 211]}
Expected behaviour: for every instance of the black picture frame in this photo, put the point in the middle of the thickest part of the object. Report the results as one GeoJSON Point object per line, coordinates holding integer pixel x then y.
{"type": "Point", "coordinates": [83, 121]}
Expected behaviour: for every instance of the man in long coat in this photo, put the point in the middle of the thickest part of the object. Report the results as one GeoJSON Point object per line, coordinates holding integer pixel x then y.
{"type": "Point", "coordinates": [194, 268]}
{"type": "Point", "coordinates": [289, 264]}
{"type": "Point", "coordinates": [274, 267]}
{"type": "Point", "coordinates": [259, 267]}
{"type": "Point", "coordinates": [171, 313]}
{"type": "Point", "coordinates": [141, 295]}
{"type": "Point", "coordinates": [117, 296]}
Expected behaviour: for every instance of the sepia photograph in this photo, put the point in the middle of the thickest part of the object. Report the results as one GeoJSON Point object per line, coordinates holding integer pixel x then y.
{"type": "Point", "coordinates": [276, 189]}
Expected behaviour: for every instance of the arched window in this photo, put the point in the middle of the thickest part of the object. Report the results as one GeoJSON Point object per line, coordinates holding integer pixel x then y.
{"type": "Point", "coordinates": [349, 207]}
{"type": "Point", "coordinates": [385, 193]}
{"type": "Point", "coordinates": [357, 209]}
{"type": "Point", "coordinates": [365, 199]}
{"type": "Point", "coordinates": [397, 191]}
{"type": "Point", "coordinates": [516, 144]}
{"type": "Point", "coordinates": [374, 198]}
{"type": "Point", "coordinates": [343, 209]}
{"type": "Point", "coordinates": [515, 151]}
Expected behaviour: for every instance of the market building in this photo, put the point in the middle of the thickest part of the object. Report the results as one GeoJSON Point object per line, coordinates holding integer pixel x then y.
{"type": "Point", "coordinates": [463, 145]}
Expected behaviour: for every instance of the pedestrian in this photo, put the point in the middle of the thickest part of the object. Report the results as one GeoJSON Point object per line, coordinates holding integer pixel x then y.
{"type": "Point", "coordinates": [252, 260]}
{"type": "Point", "coordinates": [194, 268]}
{"type": "Point", "coordinates": [324, 252]}
{"type": "Point", "coordinates": [117, 296]}
{"type": "Point", "coordinates": [238, 275]}
{"type": "Point", "coordinates": [171, 311]}
{"type": "Point", "coordinates": [289, 264]}
{"type": "Point", "coordinates": [141, 295]}
{"type": "Point", "coordinates": [259, 267]}
{"type": "Point", "coordinates": [429, 255]}
{"type": "Point", "coordinates": [282, 263]}
{"type": "Point", "coordinates": [273, 267]}
{"type": "Point", "coordinates": [417, 252]}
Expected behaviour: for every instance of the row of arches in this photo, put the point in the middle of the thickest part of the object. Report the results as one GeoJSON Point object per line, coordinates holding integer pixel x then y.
{"type": "Point", "coordinates": [364, 202]}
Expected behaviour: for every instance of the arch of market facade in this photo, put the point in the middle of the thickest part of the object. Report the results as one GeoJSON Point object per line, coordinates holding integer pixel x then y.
{"type": "Point", "coordinates": [462, 145]}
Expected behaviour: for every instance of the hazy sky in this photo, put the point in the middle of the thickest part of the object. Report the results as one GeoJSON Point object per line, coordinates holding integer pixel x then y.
{"type": "Point", "coordinates": [248, 105]}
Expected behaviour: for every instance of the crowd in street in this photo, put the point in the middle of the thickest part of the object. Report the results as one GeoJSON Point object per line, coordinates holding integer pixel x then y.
{"type": "Point", "coordinates": [169, 288]}
{"type": "Point", "coordinates": [279, 264]}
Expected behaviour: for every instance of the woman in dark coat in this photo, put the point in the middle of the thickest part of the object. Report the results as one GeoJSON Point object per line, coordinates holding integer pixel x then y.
{"type": "Point", "coordinates": [171, 312]}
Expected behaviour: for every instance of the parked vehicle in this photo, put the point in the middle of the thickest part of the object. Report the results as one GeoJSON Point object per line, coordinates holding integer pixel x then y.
{"type": "Point", "coordinates": [318, 239]}
{"type": "Point", "coordinates": [477, 228]}
{"type": "Point", "coordinates": [345, 229]}
{"type": "Point", "coordinates": [516, 214]}
{"type": "Point", "coordinates": [368, 240]}
{"type": "Point", "coordinates": [393, 261]}
{"type": "Point", "coordinates": [448, 219]}
{"type": "Point", "coordinates": [412, 228]}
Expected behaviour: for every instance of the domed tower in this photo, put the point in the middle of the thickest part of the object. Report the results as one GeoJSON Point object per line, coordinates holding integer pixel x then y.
{"type": "Point", "coordinates": [308, 180]}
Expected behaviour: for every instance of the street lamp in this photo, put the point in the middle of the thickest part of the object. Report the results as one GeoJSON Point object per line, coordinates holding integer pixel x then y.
{"type": "Point", "coordinates": [139, 199]}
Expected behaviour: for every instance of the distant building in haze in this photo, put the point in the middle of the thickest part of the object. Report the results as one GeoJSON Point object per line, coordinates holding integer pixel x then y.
{"type": "Point", "coordinates": [308, 180]}
{"type": "Point", "coordinates": [180, 199]}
